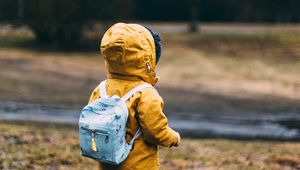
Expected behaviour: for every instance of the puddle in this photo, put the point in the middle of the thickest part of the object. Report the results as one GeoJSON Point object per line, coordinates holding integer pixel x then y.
{"type": "Point", "coordinates": [246, 125]}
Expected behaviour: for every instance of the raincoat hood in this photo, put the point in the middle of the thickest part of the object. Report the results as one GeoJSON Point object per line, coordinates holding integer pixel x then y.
{"type": "Point", "coordinates": [129, 53]}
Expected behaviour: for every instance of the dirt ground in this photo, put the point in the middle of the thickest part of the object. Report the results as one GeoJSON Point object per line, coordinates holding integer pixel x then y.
{"type": "Point", "coordinates": [211, 72]}
{"type": "Point", "coordinates": [55, 146]}
{"type": "Point", "coordinates": [208, 72]}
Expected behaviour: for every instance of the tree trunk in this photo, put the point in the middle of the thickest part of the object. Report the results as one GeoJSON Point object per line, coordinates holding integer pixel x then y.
{"type": "Point", "coordinates": [193, 25]}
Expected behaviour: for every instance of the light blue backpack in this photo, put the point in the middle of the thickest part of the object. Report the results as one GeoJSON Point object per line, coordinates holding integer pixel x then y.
{"type": "Point", "coordinates": [102, 127]}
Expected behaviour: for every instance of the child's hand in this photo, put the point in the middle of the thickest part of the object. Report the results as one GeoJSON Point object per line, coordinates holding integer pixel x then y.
{"type": "Point", "coordinates": [178, 139]}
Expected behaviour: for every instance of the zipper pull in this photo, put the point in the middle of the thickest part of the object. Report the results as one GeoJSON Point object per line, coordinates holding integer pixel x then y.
{"type": "Point", "coordinates": [94, 148]}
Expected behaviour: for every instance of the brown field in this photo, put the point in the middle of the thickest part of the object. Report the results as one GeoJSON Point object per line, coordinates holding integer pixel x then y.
{"type": "Point", "coordinates": [55, 146]}
{"type": "Point", "coordinates": [210, 70]}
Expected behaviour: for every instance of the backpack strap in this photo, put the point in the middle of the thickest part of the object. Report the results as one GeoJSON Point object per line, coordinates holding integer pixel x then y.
{"type": "Point", "coordinates": [103, 93]}
{"type": "Point", "coordinates": [102, 89]}
{"type": "Point", "coordinates": [125, 98]}
{"type": "Point", "coordinates": [134, 90]}
{"type": "Point", "coordinates": [136, 135]}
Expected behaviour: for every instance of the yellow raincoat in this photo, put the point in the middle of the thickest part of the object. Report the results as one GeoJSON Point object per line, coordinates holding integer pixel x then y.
{"type": "Point", "coordinates": [129, 53]}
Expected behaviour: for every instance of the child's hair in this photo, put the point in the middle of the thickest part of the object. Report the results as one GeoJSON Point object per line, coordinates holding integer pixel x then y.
{"type": "Point", "coordinates": [157, 41]}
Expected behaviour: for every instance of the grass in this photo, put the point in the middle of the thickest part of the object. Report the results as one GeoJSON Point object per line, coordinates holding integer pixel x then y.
{"type": "Point", "coordinates": [268, 64]}
{"type": "Point", "coordinates": [223, 71]}
{"type": "Point", "coordinates": [208, 73]}
{"type": "Point", "coordinates": [28, 145]}
{"type": "Point", "coordinates": [34, 76]}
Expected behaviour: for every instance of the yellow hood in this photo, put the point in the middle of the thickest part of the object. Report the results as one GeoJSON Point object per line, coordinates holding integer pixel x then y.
{"type": "Point", "coordinates": [129, 53]}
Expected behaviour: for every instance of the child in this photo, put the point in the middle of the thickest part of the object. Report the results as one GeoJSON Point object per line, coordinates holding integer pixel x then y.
{"type": "Point", "coordinates": [131, 52]}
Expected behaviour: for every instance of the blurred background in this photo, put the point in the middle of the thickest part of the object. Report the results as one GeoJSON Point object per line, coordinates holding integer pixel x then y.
{"type": "Point", "coordinates": [229, 76]}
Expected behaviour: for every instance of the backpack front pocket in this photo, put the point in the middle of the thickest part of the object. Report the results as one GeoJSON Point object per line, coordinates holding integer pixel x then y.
{"type": "Point", "coordinates": [95, 143]}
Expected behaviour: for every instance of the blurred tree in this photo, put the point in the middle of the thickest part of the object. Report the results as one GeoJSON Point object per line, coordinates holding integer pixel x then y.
{"type": "Point", "coordinates": [8, 10]}
{"type": "Point", "coordinates": [61, 21]}
{"type": "Point", "coordinates": [193, 15]}
{"type": "Point", "coordinates": [166, 10]}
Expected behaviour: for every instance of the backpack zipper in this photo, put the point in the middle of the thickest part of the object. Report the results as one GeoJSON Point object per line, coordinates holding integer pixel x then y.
{"type": "Point", "coordinates": [93, 143]}
{"type": "Point", "coordinates": [95, 130]}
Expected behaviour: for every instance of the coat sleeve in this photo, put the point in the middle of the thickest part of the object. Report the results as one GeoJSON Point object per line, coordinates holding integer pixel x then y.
{"type": "Point", "coordinates": [153, 122]}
